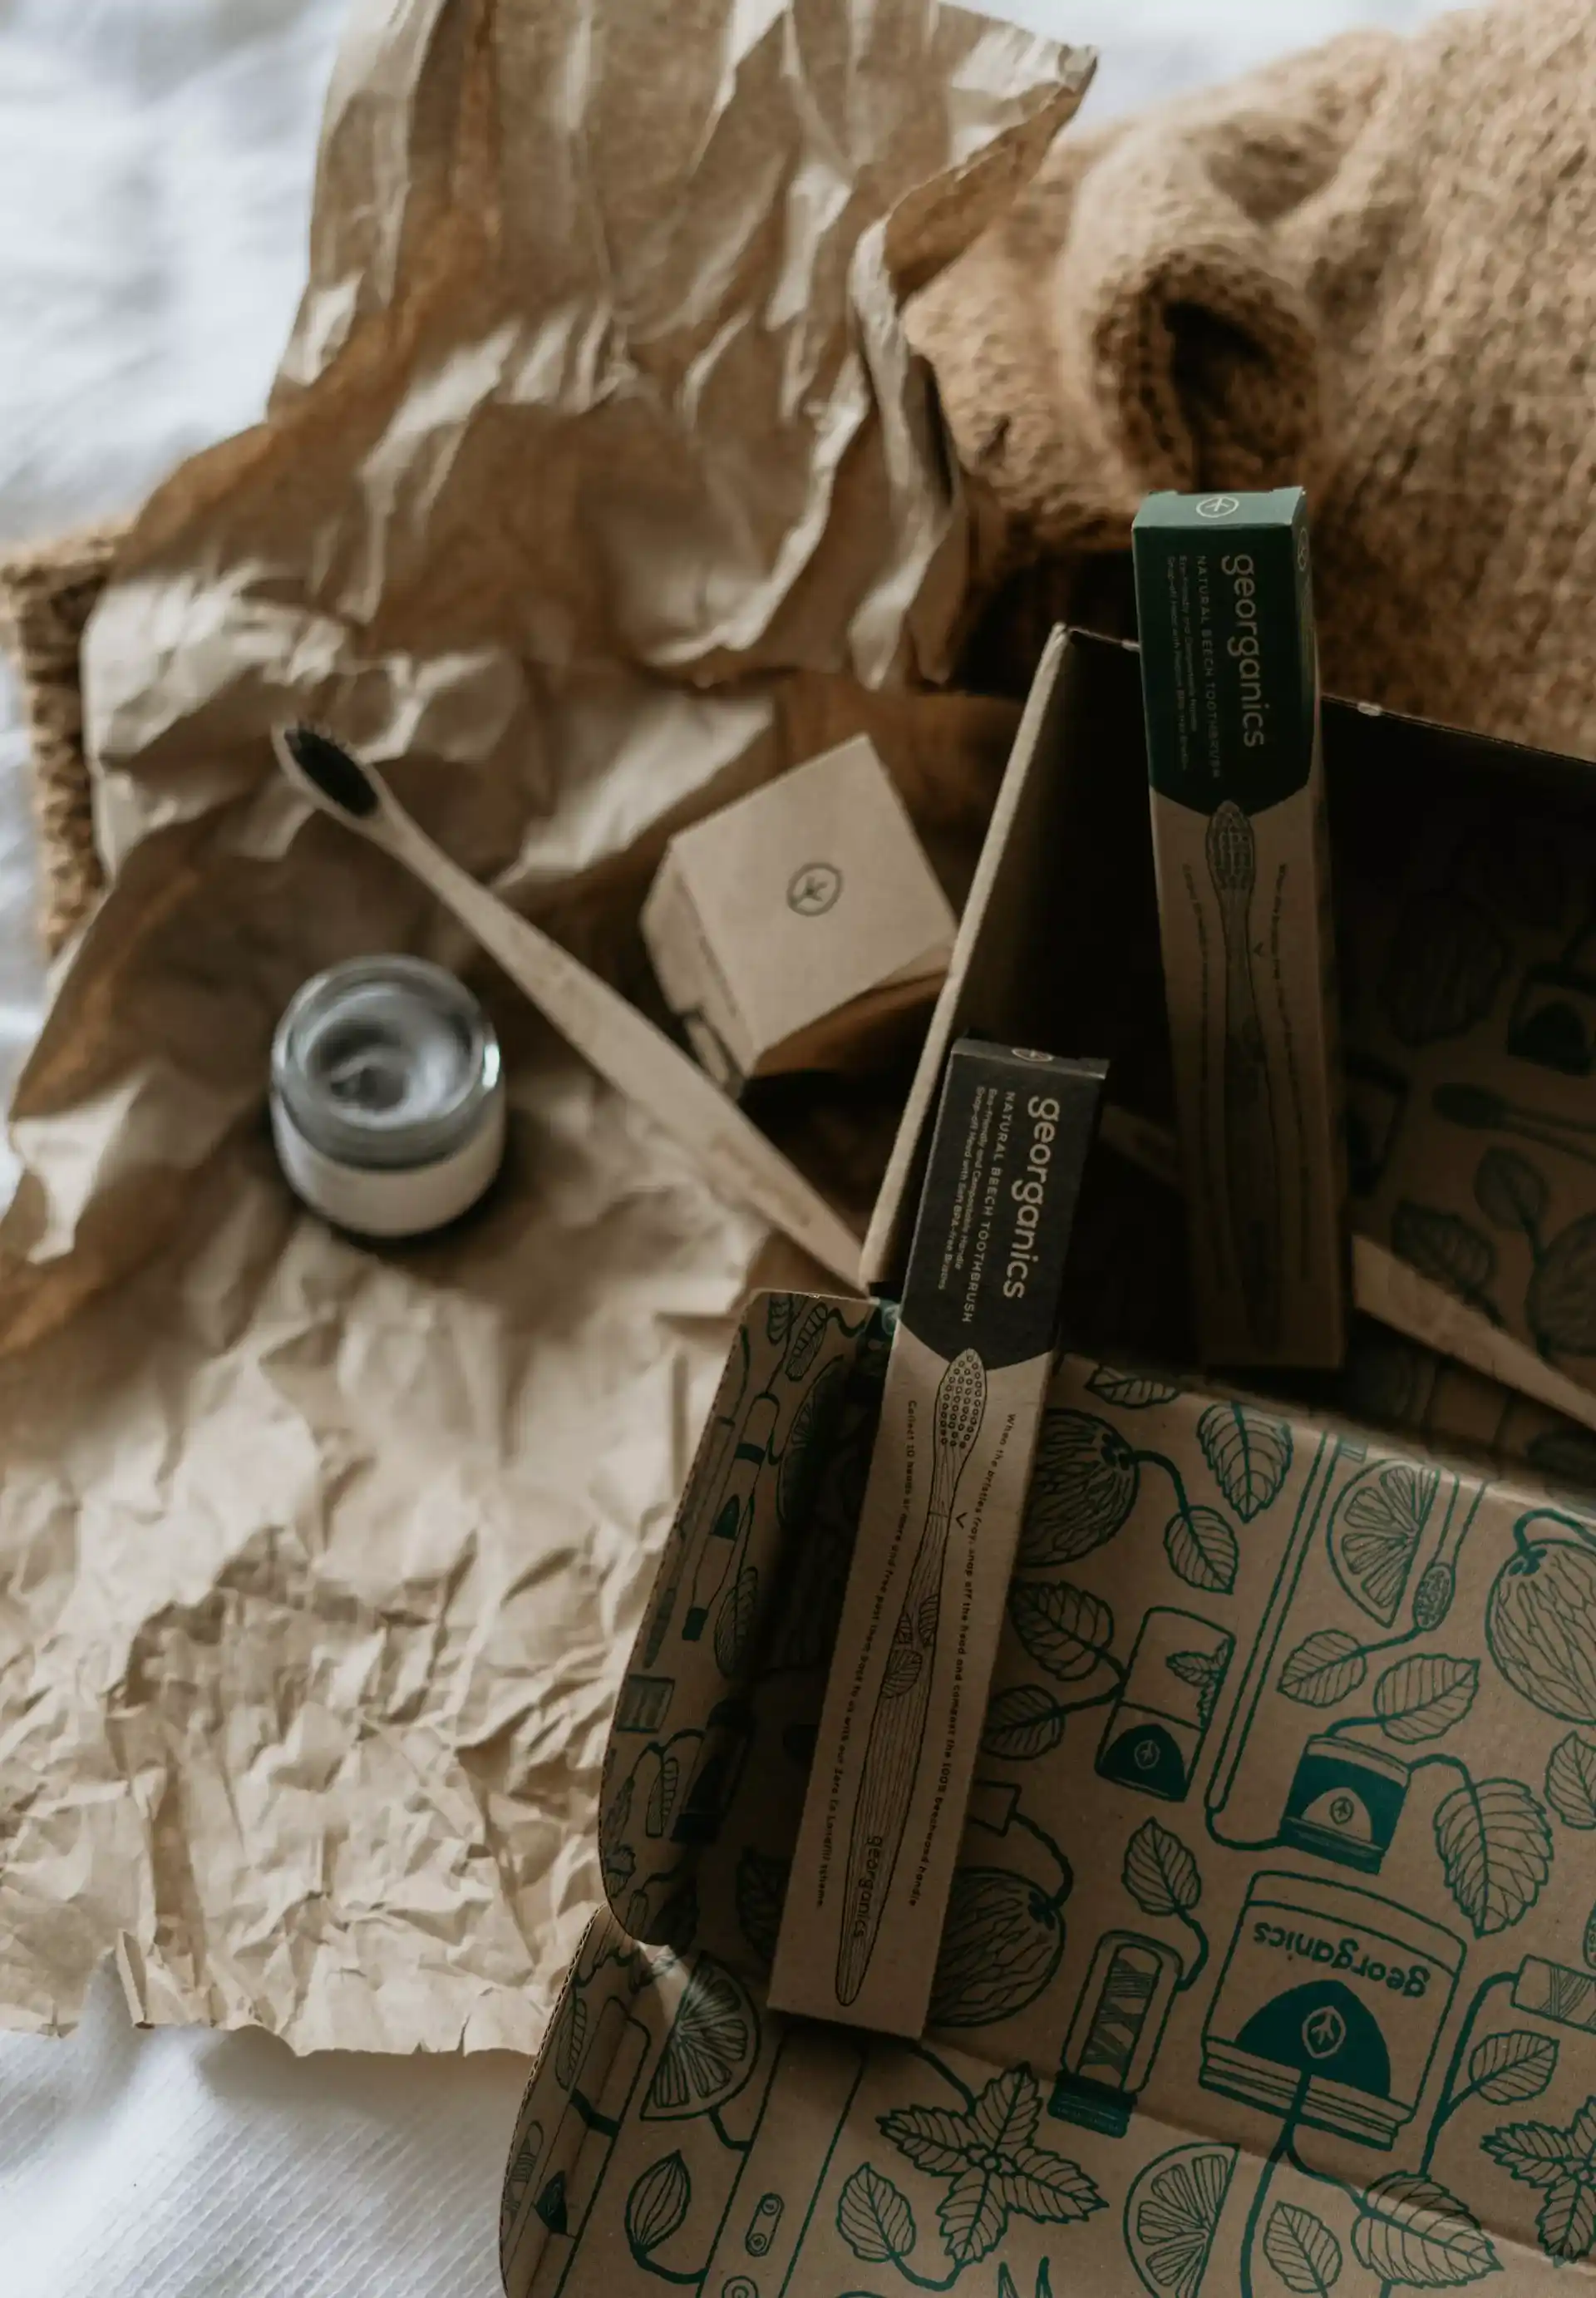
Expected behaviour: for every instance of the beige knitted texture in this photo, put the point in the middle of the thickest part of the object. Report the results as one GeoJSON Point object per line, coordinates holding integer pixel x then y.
{"type": "Point", "coordinates": [1372, 268]}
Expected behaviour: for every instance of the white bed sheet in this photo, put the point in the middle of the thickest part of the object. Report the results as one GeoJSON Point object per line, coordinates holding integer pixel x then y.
{"type": "Point", "coordinates": [155, 176]}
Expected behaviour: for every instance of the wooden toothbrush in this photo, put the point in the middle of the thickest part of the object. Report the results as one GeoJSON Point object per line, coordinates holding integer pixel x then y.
{"type": "Point", "coordinates": [1250, 1155]}
{"type": "Point", "coordinates": [892, 1752]}
{"type": "Point", "coordinates": [622, 1044]}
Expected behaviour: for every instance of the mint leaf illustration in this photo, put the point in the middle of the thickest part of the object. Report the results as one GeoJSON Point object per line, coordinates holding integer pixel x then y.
{"type": "Point", "coordinates": [1324, 1668]}
{"type": "Point", "coordinates": [1160, 1873]}
{"type": "Point", "coordinates": [1023, 1721]}
{"type": "Point", "coordinates": [1510, 1191]}
{"type": "Point", "coordinates": [1448, 1250]}
{"type": "Point", "coordinates": [1566, 2225]}
{"type": "Point", "coordinates": [1249, 1452]}
{"type": "Point", "coordinates": [1496, 1845]}
{"type": "Point", "coordinates": [1518, 2064]}
{"type": "Point", "coordinates": [1204, 1671]}
{"type": "Point", "coordinates": [1571, 1780]}
{"type": "Point", "coordinates": [1412, 2231]}
{"type": "Point", "coordinates": [1420, 1699]}
{"type": "Point", "coordinates": [875, 2218]}
{"type": "Point", "coordinates": [988, 2154]}
{"type": "Point", "coordinates": [1066, 1630]}
{"type": "Point", "coordinates": [1302, 2251]}
{"type": "Point", "coordinates": [1201, 1547]}
{"type": "Point", "coordinates": [1560, 2159]}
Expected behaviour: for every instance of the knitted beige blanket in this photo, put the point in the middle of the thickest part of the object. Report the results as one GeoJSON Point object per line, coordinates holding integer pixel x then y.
{"type": "Point", "coordinates": [1372, 268]}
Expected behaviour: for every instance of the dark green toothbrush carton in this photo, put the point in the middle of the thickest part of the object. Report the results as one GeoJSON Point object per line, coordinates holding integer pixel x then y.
{"type": "Point", "coordinates": [1230, 682]}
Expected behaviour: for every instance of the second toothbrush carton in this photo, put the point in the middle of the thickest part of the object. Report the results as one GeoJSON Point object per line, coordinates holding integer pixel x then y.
{"type": "Point", "coordinates": [1230, 684]}
{"type": "Point", "coordinates": [966, 1381]}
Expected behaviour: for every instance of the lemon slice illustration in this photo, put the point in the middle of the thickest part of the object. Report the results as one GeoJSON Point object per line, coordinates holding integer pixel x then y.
{"type": "Point", "coordinates": [711, 2047]}
{"type": "Point", "coordinates": [1376, 1529]}
{"type": "Point", "coordinates": [1172, 2215]}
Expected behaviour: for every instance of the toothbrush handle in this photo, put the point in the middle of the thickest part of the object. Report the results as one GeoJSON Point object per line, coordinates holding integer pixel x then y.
{"type": "Point", "coordinates": [636, 1058]}
{"type": "Point", "coordinates": [1249, 1142]}
{"type": "Point", "coordinates": [896, 1730]}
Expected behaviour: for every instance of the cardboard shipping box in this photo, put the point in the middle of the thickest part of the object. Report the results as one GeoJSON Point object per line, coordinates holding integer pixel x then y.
{"type": "Point", "coordinates": [1270, 1963]}
{"type": "Point", "coordinates": [1269, 1950]}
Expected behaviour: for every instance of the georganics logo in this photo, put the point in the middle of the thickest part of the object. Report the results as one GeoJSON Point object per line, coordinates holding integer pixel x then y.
{"type": "Point", "coordinates": [814, 889]}
{"type": "Point", "coordinates": [1219, 507]}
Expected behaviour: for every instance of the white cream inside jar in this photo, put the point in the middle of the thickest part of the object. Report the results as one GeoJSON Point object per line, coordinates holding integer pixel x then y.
{"type": "Point", "coordinates": [387, 1096]}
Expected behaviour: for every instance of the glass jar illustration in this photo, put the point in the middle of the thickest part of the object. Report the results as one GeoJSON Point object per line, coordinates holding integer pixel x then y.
{"type": "Point", "coordinates": [1336, 1985]}
{"type": "Point", "coordinates": [1156, 1729]}
{"type": "Point", "coordinates": [644, 1703]}
{"type": "Point", "coordinates": [1344, 1802]}
{"type": "Point", "coordinates": [1115, 2033]}
{"type": "Point", "coordinates": [1551, 1991]}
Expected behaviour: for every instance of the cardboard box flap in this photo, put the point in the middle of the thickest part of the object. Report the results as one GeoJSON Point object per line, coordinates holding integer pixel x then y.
{"type": "Point", "coordinates": [747, 1593]}
{"type": "Point", "coordinates": [1269, 1922]}
{"type": "Point", "coordinates": [994, 953]}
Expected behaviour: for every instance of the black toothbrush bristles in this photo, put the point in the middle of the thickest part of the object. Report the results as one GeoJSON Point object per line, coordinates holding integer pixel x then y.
{"type": "Point", "coordinates": [330, 769]}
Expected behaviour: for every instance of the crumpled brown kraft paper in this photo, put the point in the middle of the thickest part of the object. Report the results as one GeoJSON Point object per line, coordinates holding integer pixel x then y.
{"type": "Point", "coordinates": [599, 483]}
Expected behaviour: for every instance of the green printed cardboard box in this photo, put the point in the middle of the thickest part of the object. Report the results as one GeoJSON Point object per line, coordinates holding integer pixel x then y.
{"type": "Point", "coordinates": [1270, 1964]}
{"type": "Point", "coordinates": [1270, 1961]}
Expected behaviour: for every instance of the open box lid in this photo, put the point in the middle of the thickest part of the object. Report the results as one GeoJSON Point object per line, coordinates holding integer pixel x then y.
{"type": "Point", "coordinates": [1265, 1947]}
{"type": "Point", "coordinates": [1466, 898]}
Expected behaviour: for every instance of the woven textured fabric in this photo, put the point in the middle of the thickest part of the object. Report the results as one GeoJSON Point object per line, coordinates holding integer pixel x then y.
{"type": "Point", "coordinates": [1368, 267]}
{"type": "Point", "coordinates": [46, 593]}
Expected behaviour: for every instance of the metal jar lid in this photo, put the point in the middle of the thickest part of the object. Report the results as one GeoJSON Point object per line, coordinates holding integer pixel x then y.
{"type": "Point", "coordinates": [387, 1099]}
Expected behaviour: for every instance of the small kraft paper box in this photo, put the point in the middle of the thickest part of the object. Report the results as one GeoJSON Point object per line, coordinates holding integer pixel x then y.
{"type": "Point", "coordinates": [1230, 680]}
{"type": "Point", "coordinates": [1268, 1964]}
{"type": "Point", "coordinates": [796, 928]}
{"type": "Point", "coordinates": [971, 1356]}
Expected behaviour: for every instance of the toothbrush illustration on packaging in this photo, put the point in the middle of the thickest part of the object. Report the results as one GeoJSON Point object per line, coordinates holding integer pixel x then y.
{"type": "Point", "coordinates": [1249, 1123]}
{"type": "Point", "coordinates": [887, 1781]}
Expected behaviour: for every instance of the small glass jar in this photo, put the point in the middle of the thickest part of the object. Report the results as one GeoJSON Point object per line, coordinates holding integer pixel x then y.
{"type": "Point", "coordinates": [387, 1101]}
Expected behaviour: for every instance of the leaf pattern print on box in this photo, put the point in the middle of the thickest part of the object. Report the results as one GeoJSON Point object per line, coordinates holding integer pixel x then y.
{"type": "Point", "coordinates": [988, 2155]}
{"type": "Point", "coordinates": [1099, 1960]}
{"type": "Point", "coordinates": [1484, 1016]}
